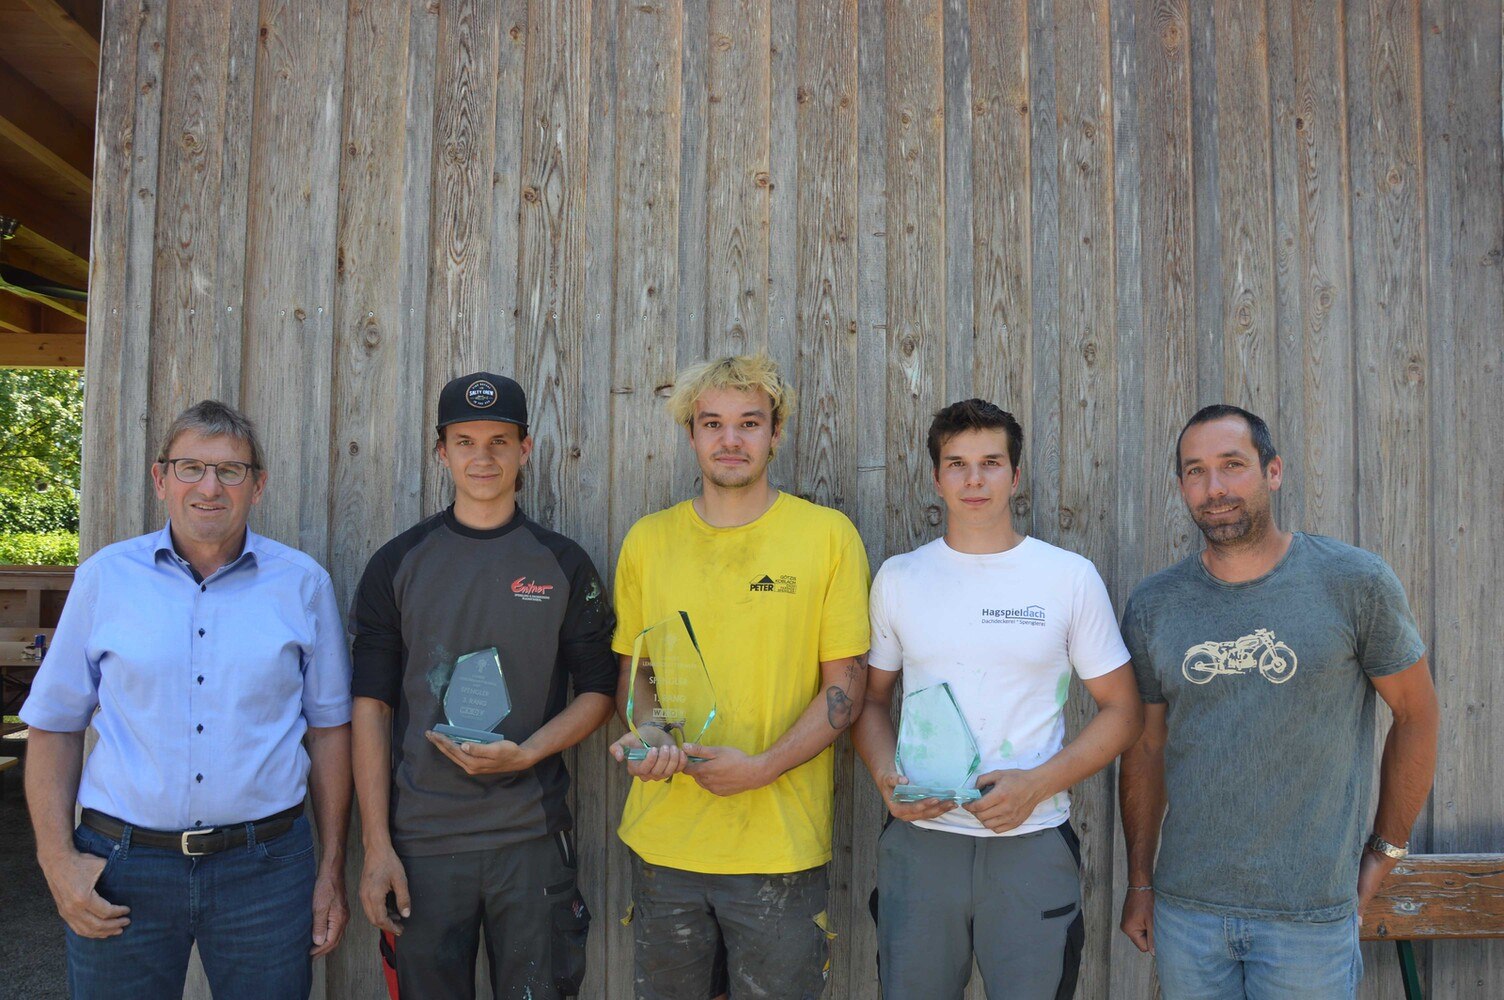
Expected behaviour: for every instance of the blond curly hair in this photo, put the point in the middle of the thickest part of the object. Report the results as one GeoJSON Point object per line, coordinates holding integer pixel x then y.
{"type": "Point", "coordinates": [747, 372]}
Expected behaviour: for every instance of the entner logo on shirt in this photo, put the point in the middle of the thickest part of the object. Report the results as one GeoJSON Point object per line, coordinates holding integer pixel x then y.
{"type": "Point", "coordinates": [766, 584]}
{"type": "Point", "coordinates": [530, 590]}
{"type": "Point", "coordinates": [1032, 615]}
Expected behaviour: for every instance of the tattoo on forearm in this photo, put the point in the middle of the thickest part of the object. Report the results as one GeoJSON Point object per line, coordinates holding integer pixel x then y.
{"type": "Point", "coordinates": [837, 707]}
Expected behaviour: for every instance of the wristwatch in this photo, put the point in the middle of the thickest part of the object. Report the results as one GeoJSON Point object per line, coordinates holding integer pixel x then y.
{"type": "Point", "coordinates": [1379, 845]}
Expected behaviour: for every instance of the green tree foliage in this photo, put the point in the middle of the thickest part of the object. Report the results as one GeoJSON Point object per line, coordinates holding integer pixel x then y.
{"type": "Point", "coordinates": [41, 439]}
{"type": "Point", "coordinates": [41, 428]}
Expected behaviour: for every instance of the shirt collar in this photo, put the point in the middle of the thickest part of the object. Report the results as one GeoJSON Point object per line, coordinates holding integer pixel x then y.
{"type": "Point", "coordinates": [249, 553]}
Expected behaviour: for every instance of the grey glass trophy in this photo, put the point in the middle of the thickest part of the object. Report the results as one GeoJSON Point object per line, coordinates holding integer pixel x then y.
{"type": "Point", "coordinates": [669, 687]}
{"type": "Point", "coordinates": [936, 750]}
{"type": "Point", "coordinates": [476, 699]}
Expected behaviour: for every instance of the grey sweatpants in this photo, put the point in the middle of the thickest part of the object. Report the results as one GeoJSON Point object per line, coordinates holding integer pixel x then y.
{"type": "Point", "coordinates": [1013, 901]}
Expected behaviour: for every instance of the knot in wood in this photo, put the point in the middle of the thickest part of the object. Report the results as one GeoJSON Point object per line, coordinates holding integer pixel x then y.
{"type": "Point", "coordinates": [1169, 36]}
{"type": "Point", "coordinates": [530, 194]}
{"type": "Point", "coordinates": [574, 452]}
{"type": "Point", "coordinates": [1088, 129]}
{"type": "Point", "coordinates": [979, 108]}
{"type": "Point", "coordinates": [844, 102]}
{"type": "Point", "coordinates": [721, 43]}
{"type": "Point", "coordinates": [1245, 315]}
{"type": "Point", "coordinates": [1023, 109]}
{"type": "Point", "coordinates": [353, 149]}
{"type": "Point", "coordinates": [1089, 352]}
{"type": "Point", "coordinates": [1300, 124]}
{"type": "Point", "coordinates": [515, 32]}
{"type": "Point", "coordinates": [802, 95]}
{"type": "Point", "coordinates": [1394, 178]}
{"type": "Point", "coordinates": [299, 315]}
{"type": "Point", "coordinates": [354, 448]}
{"type": "Point", "coordinates": [904, 118]}
{"type": "Point", "coordinates": [1067, 518]}
{"type": "Point", "coordinates": [1022, 505]}
{"type": "Point", "coordinates": [932, 515]}
{"type": "Point", "coordinates": [908, 344]}
{"type": "Point", "coordinates": [190, 142]}
{"type": "Point", "coordinates": [370, 335]}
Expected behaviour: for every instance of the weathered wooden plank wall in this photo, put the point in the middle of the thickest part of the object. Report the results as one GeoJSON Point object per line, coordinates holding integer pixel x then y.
{"type": "Point", "coordinates": [1101, 214]}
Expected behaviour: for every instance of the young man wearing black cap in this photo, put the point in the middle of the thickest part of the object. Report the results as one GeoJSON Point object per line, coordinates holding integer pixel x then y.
{"type": "Point", "coordinates": [460, 836]}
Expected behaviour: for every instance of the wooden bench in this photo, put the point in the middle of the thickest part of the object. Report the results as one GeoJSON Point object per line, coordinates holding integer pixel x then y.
{"type": "Point", "coordinates": [1429, 897]}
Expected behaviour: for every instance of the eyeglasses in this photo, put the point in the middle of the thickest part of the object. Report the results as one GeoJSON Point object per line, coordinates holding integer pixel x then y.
{"type": "Point", "coordinates": [191, 470]}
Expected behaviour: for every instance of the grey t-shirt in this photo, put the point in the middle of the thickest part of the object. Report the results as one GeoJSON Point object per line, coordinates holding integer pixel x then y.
{"type": "Point", "coordinates": [1269, 762]}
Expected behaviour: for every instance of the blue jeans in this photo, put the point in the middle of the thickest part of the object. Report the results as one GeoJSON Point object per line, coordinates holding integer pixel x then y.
{"type": "Point", "coordinates": [250, 909]}
{"type": "Point", "coordinates": [1204, 956]}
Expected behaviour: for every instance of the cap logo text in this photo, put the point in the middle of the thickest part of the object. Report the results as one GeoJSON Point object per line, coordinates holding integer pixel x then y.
{"type": "Point", "coordinates": [480, 394]}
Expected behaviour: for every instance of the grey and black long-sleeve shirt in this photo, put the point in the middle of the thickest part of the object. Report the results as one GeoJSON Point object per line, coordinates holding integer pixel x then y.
{"type": "Point", "coordinates": [438, 591]}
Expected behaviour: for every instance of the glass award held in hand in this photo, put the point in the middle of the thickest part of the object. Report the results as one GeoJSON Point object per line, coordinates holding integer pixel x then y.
{"type": "Point", "coordinates": [669, 697]}
{"type": "Point", "coordinates": [936, 751]}
{"type": "Point", "coordinates": [476, 699]}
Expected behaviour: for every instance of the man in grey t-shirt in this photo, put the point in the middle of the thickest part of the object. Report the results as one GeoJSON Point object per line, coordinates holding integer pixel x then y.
{"type": "Point", "coordinates": [1259, 660]}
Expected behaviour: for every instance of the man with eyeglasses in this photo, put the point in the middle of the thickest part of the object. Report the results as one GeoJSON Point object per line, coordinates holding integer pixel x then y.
{"type": "Point", "coordinates": [217, 664]}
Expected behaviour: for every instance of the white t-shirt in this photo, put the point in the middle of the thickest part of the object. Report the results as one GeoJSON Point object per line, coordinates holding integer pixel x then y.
{"type": "Point", "coordinates": [1005, 630]}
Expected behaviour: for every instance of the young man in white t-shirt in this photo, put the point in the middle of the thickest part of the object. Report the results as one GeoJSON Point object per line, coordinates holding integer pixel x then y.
{"type": "Point", "coordinates": [1003, 619]}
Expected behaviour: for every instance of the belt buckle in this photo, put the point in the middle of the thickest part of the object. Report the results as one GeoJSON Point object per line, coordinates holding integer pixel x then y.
{"type": "Point", "coordinates": [195, 833]}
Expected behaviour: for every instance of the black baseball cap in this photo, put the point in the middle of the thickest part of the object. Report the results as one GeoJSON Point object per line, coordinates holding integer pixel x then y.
{"type": "Point", "coordinates": [482, 396]}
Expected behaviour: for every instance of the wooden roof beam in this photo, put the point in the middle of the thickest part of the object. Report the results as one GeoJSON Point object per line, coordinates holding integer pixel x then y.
{"type": "Point", "coordinates": [46, 132]}
{"type": "Point", "coordinates": [34, 337]}
{"type": "Point", "coordinates": [46, 230]}
{"type": "Point", "coordinates": [63, 17]}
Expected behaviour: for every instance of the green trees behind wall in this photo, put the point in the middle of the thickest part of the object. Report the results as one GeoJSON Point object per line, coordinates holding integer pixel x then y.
{"type": "Point", "coordinates": [41, 435]}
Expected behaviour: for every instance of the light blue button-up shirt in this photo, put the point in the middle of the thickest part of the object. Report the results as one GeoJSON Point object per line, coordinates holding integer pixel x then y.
{"type": "Point", "coordinates": [204, 688]}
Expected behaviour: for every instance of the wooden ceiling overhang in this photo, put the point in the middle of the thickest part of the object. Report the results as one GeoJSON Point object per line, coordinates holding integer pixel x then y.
{"type": "Point", "coordinates": [49, 84]}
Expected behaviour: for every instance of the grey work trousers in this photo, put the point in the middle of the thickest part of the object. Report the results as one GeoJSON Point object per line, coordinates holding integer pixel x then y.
{"type": "Point", "coordinates": [1014, 902]}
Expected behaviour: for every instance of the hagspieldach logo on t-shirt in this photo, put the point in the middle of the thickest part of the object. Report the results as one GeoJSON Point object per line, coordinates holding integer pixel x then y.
{"type": "Point", "coordinates": [1031, 615]}
{"type": "Point", "coordinates": [766, 584]}
{"type": "Point", "coordinates": [530, 590]}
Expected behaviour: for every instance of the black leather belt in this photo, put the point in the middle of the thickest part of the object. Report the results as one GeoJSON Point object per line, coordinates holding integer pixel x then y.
{"type": "Point", "coordinates": [195, 843]}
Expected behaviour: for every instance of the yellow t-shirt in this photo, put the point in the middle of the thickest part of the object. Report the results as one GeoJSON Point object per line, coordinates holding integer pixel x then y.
{"type": "Point", "coordinates": [769, 601]}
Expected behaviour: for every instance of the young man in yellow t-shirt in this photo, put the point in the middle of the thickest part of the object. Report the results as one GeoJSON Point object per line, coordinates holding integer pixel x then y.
{"type": "Point", "coordinates": [729, 879]}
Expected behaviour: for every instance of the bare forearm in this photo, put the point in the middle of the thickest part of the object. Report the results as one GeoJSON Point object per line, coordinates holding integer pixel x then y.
{"type": "Point", "coordinates": [1110, 732]}
{"type": "Point", "coordinates": [824, 719]}
{"type": "Point", "coordinates": [582, 717]}
{"type": "Point", "coordinates": [329, 784]}
{"type": "Point", "coordinates": [371, 762]}
{"type": "Point", "coordinates": [874, 736]}
{"type": "Point", "coordinates": [54, 762]}
{"type": "Point", "coordinates": [1405, 776]}
{"type": "Point", "coordinates": [1141, 800]}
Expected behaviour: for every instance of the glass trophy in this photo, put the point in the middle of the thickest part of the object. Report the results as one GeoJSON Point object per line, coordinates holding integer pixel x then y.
{"type": "Point", "coordinates": [476, 699]}
{"type": "Point", "coordinates": [936, 750]}
{"type": "Point", "coordinates": [669, 687]}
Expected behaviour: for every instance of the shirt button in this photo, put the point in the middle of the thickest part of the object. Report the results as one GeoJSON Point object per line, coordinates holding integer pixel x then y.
{"type": "Point", "coordinates": [198, 822]}
{"type": "Point", "coordinates": [200, 631]}
{"type": "Point", "coordinates": [201, 678]}
{"type": "Point", "coordinates": [203, 587]}
{"type": "Point", "coordinates": [198, 777]}
{"type": "Point", "coordinates": [200, 727]}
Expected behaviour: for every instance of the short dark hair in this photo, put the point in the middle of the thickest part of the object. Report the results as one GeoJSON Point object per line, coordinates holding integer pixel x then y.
{"type": "Point", "coordinates": [1263, 441]}
{"type": "Point", "coordinates": [974, 415]}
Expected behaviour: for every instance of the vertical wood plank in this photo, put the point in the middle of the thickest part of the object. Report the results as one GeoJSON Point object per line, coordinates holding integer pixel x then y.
{"type": "Point", "coordinates": [599, 788]}
{"type": "Point", "coordinates": [376, 431]}
{"type": "Point", "coordinates": [1284, 168]}
{"type": "Point", "coordinates": [197, 77]}
{"type": "Point", "coordinates": [1245, 194]}
{"type": "Point", "coordinates": [115, 499]}
{"type": "Point", "coordinates": [509, 180]}
{"type": "Point", "coordinates": [1001, 182]}
{"type": "Point", "coordinates": [1207, 215]}
{"type": "Point", "coordinates": [784, 187]}
{"type": "Point", "coordinates": [643, 437]}
{"type": "Point", "coordinates": [1327, 460]}
{"type": "Point", "coordinates": [550, 270]}
{"type": "Point", "coordinates": [823, 439]}
{"type": "Point", "coordinates": [694, 59]}
{"type": "Point", "coordinates": [964, 342]}
{"type": "Point", "coordinates": [1088, 396]}
{"type": "Point", "coordinates": [871, 451]}
{"type": "Point", "coordinates": [464, 149]}
{"type": "Point", "coordinates": [736, 178]}
{"type": "Point", "coordinates": [916, 262]}
{"type": "Point", "coordinates": [1037, 505]}
{"type": "Point", "coordinates": [1465, 222]}
{"type": "Point", "coordinates": [1389, 307]}
{"type": "Point", "coordinates": [290, 263]}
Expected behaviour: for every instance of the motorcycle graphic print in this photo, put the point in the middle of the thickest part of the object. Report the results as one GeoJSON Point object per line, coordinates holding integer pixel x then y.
{"type": "Point", "coordinates": [1260, 649]}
